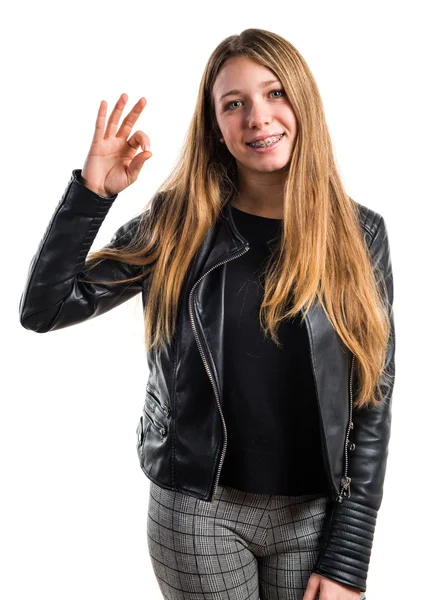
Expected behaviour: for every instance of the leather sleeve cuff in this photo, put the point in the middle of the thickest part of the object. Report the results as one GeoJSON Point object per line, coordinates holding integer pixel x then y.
{"type": "Point", "coordinates": [347, 543]}
{"type": "Point", "coordinates": [77, 188]}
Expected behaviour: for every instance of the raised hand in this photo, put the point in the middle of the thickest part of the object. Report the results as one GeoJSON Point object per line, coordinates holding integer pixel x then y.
{"type": "Point", "coordinates": [111, 164]}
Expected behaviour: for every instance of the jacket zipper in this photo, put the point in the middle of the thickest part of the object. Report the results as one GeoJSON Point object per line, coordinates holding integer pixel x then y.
{"type": "Point", "coordinates": [207, 366]}
{"type": "Point", "coordinates": [345, 480]}
{"type": "Point", "coordinates": [159, 426]}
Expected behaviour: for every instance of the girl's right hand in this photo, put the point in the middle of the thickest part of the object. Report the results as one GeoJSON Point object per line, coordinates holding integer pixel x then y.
{"type": "Point", "coordinates": [111, 164]}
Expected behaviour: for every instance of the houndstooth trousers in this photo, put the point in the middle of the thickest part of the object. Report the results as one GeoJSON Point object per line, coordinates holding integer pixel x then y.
{"type": "Point", "coordinates": [244, 546]}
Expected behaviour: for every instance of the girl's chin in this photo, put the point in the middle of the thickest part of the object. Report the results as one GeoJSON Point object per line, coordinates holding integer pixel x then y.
{"type": "Point", "coordinates": [263, 166]}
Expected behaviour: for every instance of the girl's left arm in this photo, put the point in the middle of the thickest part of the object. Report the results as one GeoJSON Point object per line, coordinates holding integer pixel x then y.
{"type": "Point", "coordinates": [350, 525]}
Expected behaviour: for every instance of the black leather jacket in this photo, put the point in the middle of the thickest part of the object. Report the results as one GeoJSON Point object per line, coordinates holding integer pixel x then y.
{"type": "Point", "coordinates": [182, 436]}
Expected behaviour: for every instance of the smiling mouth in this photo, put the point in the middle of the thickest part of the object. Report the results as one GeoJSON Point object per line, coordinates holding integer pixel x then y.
{"type": "Point", "coordinates": [267, 142]}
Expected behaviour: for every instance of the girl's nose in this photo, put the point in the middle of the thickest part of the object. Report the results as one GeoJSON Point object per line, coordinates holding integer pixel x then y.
{"type": "Point", "coordinates": [259, 116]}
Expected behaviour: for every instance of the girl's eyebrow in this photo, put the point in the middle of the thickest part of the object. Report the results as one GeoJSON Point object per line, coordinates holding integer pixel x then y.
{"type": "Point", "coordinates": [262, 85]}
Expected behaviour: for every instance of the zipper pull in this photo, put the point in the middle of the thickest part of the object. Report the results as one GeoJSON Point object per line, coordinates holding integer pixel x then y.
{"type": "Point", "coordinates": [345, 489]}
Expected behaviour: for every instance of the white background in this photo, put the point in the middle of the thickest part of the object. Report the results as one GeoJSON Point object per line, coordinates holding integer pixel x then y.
{"type": "Point", "coordinates": [73, 497]}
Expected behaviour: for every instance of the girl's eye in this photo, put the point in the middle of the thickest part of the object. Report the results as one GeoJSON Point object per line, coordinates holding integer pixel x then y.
{"type": "Point", "coordinates": [228, 106]}
{"type": "Point", "coordinates": [277, 91]}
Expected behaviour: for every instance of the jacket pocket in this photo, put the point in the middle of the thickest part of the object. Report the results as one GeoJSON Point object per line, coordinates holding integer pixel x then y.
{"type": "Point", "coordinates": [157, 424]}
{"type": "Point", "coordinates": [153, 432]}
{"type": "Point", "coordinates": [141, 433]}
{"type": "Point", "coordinates": [151, 394]}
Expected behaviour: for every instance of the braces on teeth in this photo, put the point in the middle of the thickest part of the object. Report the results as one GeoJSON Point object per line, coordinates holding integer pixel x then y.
{"type": "Point", "coordinates": [267, 142]}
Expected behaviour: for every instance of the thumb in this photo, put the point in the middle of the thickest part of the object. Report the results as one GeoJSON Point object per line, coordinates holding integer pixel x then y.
{"type": "Point", "coordinates": [136, 164]}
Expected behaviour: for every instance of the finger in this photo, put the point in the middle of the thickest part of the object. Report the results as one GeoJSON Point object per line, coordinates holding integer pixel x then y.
{"type": "Point", "coordinates": [312, 591]}
{"type": "Point", "coordinates": [139, 139]}
{"type": "Point", "coordinates": [115, 116]}
{"type": "Point", "coordinates": [131, 118]}
{"type": "Point", "coordinates": [136, 164]}
{"type": "Point", "coordinates": [100, 122]}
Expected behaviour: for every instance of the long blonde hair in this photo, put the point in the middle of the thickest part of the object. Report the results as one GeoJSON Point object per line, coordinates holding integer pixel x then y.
{"type": "Point", "coordinates": [322, 252]}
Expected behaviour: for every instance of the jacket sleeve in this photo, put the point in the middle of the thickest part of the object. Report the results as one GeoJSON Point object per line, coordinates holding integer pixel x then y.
{"type": "Point", "coordinates": [53, 297]}
{"type": "Point", "coordinates": [350, 525]}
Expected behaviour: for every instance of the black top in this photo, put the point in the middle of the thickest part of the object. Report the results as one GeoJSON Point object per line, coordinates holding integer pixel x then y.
{"type": "Point", "coordinates": [269, 400]}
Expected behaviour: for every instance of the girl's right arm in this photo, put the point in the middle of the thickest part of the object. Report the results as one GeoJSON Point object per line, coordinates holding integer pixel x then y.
{"type": "Point", "coordinates": [53, 296]}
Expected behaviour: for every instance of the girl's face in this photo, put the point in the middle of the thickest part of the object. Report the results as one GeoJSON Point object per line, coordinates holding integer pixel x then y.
{"type": "Point", "coordinates": [250, 102]}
